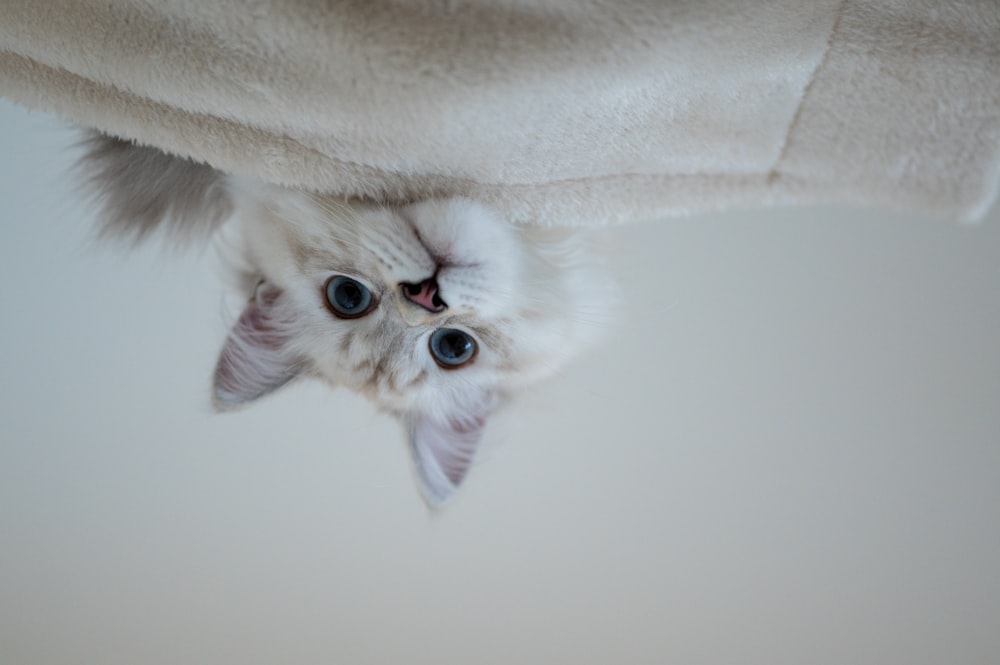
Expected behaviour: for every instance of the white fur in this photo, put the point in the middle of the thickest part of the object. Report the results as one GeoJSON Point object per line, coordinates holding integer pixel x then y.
{"type": "Point", "coordinates": [530, 298]}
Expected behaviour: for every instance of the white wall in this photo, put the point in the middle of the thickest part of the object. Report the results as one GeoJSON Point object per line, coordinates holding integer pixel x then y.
{"type": "Point", "coordinates": [787, 453]}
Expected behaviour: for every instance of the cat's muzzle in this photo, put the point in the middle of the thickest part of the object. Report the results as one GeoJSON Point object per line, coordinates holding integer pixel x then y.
{"type": "Point", "coordinates": [425, 294]}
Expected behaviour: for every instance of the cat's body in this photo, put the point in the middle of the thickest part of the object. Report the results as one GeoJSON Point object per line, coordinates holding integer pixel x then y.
{"type": "Point", "coordinates": [437, 311]}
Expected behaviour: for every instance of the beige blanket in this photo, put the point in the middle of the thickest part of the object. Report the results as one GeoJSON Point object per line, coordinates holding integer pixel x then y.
{"type": "Point", "coordinates": [557, 111]}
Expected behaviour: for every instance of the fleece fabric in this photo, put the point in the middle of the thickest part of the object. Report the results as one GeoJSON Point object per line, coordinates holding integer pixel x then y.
{"type": "Point", "coordinates": [580, 112]}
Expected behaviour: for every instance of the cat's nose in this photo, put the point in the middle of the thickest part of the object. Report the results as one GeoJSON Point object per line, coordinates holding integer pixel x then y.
{"type": "Point", "coordinates": [425, 294]}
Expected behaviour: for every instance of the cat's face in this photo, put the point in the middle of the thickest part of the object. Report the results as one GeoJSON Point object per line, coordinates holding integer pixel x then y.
{"type": "Point", "coordinates": [435, 311]}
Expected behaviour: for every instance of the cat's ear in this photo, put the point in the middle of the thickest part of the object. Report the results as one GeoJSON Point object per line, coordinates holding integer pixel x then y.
{"type": "Point", "coordinates": [142, 190]}
{"type": "Point", "coordinates": [444, 445]}
{"type": "Point", "coordinates": [255, 359]}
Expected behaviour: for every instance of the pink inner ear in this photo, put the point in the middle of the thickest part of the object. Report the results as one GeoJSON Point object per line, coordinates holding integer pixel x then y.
{"type": "Point", "coordinates": [443, 456]}
{"type": "Point", "coordinates": [445, 449]}
{"type": "Point", "coordinates": [254, 360]}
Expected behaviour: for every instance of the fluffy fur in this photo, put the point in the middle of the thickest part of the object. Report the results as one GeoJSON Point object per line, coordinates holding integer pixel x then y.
{"type": "Point", "coordinates": [583, 113]}
{"type": "Point", "coordinates": [528, 297]}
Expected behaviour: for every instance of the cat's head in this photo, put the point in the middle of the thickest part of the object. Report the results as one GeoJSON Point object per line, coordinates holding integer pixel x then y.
{"type": "Point", "coordinates": [436, 311]}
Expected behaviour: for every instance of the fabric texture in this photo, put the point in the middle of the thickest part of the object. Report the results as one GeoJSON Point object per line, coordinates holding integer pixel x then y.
{"type": "Point", "coordinates": [584, 113]}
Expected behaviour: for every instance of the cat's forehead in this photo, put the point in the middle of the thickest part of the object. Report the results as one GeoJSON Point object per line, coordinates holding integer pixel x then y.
{"type": "Point", "coordinates": [390, 361]}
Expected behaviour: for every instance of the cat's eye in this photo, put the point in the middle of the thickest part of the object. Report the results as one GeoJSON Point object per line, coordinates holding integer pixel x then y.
{"type": "Point", "coordinates": [452, 348]}
{"type": "Point", "coordinates": [348, 298]}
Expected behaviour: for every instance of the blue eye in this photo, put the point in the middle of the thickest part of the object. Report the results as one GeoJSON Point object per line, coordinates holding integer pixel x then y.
{"type": "Point", "coordinates": [452, 348]}
{"type": "Point", "coordinates": [348, 298]}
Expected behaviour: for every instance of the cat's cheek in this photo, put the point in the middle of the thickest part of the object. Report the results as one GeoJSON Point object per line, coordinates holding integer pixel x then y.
{"type": "Point", "coordinates": [463, 232]}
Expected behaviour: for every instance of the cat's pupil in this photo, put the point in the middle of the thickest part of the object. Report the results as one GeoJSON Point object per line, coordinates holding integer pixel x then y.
{"type": "Point", "coordinates": [454, 345]}
{"type": "Point", "coordinates": [349, 296]}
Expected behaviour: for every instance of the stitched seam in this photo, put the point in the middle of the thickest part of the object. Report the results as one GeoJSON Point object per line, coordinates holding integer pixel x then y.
{"type": "Point", "coordinates": [774, 173]}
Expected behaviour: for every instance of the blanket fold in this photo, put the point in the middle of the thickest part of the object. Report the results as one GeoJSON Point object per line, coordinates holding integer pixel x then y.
{"type": "Point", "coordinates": [580, 113]}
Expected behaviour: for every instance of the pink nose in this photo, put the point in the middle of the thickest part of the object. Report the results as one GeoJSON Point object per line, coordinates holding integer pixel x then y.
{"type": "Point", "coordinates": [425, 294]}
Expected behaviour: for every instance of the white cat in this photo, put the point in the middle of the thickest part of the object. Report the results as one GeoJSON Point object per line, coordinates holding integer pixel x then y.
{"type": "Point", "coordinates": [437, 311]}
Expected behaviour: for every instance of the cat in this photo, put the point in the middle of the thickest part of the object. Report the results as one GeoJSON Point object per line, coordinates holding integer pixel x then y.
{"type": "Point", "coordinates": [438, 311]}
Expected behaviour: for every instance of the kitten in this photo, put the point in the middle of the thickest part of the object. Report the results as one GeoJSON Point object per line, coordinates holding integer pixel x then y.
{"type": "Point", "coordinates": [437, 311]}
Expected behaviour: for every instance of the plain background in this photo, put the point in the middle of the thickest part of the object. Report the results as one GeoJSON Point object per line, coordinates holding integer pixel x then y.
{"type": "Point", "coordinates": [787, 451]}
